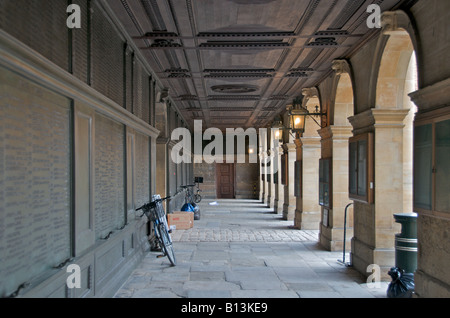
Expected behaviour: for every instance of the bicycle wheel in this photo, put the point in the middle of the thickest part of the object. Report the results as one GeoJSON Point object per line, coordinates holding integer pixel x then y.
{"type": "Point", "coordinates": [166, 243]}
{"type": "Point", "coordinates": [197, 198]}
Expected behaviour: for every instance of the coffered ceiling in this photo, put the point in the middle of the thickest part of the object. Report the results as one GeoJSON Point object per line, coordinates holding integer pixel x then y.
{"type": "Point", "coordinates": [238, 63]}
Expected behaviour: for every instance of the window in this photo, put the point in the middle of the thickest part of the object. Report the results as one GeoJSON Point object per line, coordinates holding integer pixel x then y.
{"type": "Point", "coordinates": [298, 179]}
{"type": "Point", "coordinates": [361, 176]}
{"type": "Point", "coordinates": [431, 168]}
{"type": "Point", "coordinates": [284, 170]}
{"type": "Point", "coordinates": [325, 182]}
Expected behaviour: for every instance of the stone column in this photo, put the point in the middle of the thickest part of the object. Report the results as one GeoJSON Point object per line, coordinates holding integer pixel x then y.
{"type": "Point", "coordinates": [374, 225]}
{"type": "Point", "coordinates": [273, 169]}
{"type": "Point", "coordinates": [289, 199]}
{"type": "Point", "coordinates": [266, 163]}
{"type": "Point", "coordinates": [262, 171]}
{"type": "Point", "coordinates": [161, 164]}
{"type": "Point", "coordinates": [279, 202]}
{"type": "Point", "coordinates": [308, 212]}
{"type": "Point", "coordinates": [335, 146]}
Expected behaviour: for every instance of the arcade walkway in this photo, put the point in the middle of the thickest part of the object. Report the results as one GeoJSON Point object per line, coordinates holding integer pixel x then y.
{"type": "Point", "coordinates": [241, 249]}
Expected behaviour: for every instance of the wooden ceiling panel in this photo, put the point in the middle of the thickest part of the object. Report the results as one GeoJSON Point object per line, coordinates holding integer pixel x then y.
{"type": "Point", "coordinates": [251, 16]}
{"type": "Point", "coordinates": [275, 46]}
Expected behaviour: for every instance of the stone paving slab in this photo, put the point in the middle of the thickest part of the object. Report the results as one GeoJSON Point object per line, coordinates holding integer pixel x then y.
{"type": "Point", "coordinates": [252, 254]}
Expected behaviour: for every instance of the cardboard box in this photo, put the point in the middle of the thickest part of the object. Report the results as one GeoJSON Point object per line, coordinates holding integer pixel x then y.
{"type": "Point", "coordinates": [181, 220]}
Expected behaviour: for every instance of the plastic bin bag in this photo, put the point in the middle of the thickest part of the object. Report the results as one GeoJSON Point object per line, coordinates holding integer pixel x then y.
{"type": "Point", "coordinates": [402, 285]}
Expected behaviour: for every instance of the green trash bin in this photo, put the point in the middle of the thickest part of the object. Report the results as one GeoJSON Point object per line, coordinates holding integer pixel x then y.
{"type": "Point", "coordinates": [406, 242]}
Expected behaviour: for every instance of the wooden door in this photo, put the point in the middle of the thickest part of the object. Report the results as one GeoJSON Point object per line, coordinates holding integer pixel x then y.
{"type": "Point", "coordinates": [225, 181]}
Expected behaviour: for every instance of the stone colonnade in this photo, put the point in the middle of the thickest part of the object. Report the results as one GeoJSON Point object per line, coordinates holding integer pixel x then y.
{"type": "Point", "coordinates": [370, 224]}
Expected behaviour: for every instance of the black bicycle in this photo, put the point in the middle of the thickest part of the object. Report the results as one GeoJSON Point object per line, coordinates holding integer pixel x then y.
{"type": "Point", "coordinates": [190, 205]}
{"type": "Point", "coordinates": [155, 213]}
{"type": "Point", "coordinates": [197, 196]}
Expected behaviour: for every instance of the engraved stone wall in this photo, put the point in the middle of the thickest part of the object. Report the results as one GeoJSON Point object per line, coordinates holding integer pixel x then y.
{"type": "Point", "coordinates": [109, 176]}
{"type": "Point", "coordinates": [34, 180]}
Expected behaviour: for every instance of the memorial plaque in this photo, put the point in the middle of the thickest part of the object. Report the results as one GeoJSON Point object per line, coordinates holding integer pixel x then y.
{"type": "Point", "coordinates": [109, 176]}
{"type": "Point", "coordinates": [34, 180]}
{"type": "Point", "coordinates": [142, 195]}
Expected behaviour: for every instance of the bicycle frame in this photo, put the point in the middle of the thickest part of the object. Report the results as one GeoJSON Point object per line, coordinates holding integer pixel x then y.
{"type": "Point", "coordinates": [154, 211]}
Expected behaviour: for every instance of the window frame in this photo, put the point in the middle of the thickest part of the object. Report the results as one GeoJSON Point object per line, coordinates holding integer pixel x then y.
{"type": "Point", "coordinates": [328, 163]}
{"type": "Point", "coordinates": [433, 118]}
{"type": "Point", "coordinates": [368, 196]}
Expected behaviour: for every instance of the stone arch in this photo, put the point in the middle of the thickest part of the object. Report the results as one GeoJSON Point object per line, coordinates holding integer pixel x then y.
{"type": "Point", "coordinates": [391, 87]}
{"type": "Point", "coordinates": [334, 146]}
{"type": "Point", "coordinates": [311, 99]}
{"type": "Point", "coordinates": [343, 107]}
{"type": "Point", "coordinates": [389, 118]}
{"type": "Point", "coordinates": [396, 45]}
{"type": "Point", "coordinates": [397, 78]}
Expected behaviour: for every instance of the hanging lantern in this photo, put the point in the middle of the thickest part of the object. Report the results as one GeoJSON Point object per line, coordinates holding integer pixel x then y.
{"type": "Point", "coordinates": [278, 128]}
{"type": "Point", "coordinates": [298, 119]}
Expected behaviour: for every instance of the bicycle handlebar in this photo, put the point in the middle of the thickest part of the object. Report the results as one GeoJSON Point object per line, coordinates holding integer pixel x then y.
{"type": "Point", "coordinates": [148, 205]}
{"type": "Point", "coordinates": [187, 186]}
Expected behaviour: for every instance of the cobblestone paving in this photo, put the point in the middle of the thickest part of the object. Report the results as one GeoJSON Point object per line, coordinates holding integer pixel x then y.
{"type": "Point", "coordinates": [241, 249]}
{"type": "Point", "coordinates": [242, 221]}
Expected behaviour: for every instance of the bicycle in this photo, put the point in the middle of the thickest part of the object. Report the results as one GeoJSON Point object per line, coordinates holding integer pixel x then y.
{"type": "Point", "coordinates": [155, 213]}
{"type": "Point", "coordinates": [190, 205]}
{"type": "Point", "coordinates": [197, 196]}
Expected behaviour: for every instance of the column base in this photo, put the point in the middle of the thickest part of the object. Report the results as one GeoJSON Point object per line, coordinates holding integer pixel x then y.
{"type": "Point", "coordinates": [272, 203]}
{"type": "Point", "coordinates": [275, 206]}
{"type": "Point", "coordinates": [267, 200]}
{"type": "Point", "coordinates": [363, 255]}
{"type": "Point", "coordinates": [280, 205]}
{"type": "Point", "coordinates": [332, 239]}
{"type": "Point", "coordinates": [307, 220]}
{"type": "Point", "coordinates": [288, 212]}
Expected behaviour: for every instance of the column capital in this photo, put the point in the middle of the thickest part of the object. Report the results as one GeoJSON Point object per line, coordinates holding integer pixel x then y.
{"type": "Point", "coordinates": [341, 67]}
{"type": "Point", "coordinates": [336, 132]}
{"type": "Point", "coordinates": [393, 22]}
{"type": "Point", "coordinates": [389, 117]}
{"type": "Point", "coordinates": [311, 142]}
{"type": "Point", "coordinates": [290, 147]}
{"type": "Point", "coordinates": [378, 118]}
{"type": "Point", "coordinates": [310, 92]}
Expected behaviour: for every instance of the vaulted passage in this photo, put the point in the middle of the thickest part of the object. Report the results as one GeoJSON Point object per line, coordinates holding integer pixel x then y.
{"type": "Point", "coordinates": [316, 127]}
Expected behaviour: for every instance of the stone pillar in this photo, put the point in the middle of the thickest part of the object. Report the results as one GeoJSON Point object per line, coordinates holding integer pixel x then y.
{"type": "Point", "coordinates": [266, 168]}
{"type": "Point", "coordinates": [308, 212]}
{"type": "Point", "coordinates": [262, 171]}
{"type": "Point", "coordinates": [161, 168]}
{"type": "Point", "coordinates": [374, 225]}
{"type": "Point", "coordinates": [161, 164]}
{"type": "Point", "coordinates": [280, 187]}
{"type": "Point", "coordinates": [289, 199]}
{"type": "Point", "coordinates": [335, 146]}
{"type": "Point", "coordinates": [273, 170]}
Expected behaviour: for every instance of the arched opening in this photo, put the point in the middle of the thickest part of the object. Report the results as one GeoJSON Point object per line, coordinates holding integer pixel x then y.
{"type": "Point", "coordinates": [333, 170]}
{"type": "Point", "coordinates": [343, 105]}
{"type": "Point", "coordinates": [388, 157]}
{"type": "Point", "coordinates": [398, 76]}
